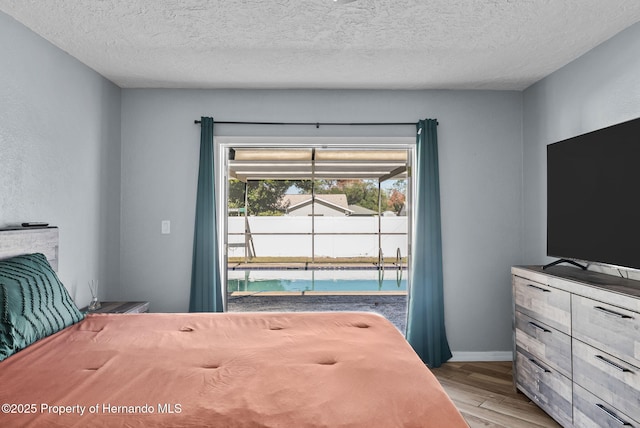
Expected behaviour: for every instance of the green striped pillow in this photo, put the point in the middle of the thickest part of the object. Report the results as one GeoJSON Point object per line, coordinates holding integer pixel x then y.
{"type": "Point", "coordinates": [33, 303]}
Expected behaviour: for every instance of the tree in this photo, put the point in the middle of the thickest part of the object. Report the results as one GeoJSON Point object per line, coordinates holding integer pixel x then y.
{"type": "Point", "coordinates": [264, 196]}
{"type": "Point", "coordinates": [397, 196]}
{"type": "Point", "coordinates": [322, 186]}
{"type": "Point", "coordinates": [360, 192]}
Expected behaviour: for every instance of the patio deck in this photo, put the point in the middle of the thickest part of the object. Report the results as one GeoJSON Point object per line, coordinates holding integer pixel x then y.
{"type": "Point", "coordinates": [391, 306]}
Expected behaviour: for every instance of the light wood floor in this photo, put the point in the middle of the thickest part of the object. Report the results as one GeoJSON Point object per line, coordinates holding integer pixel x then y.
{"type": "Point", "coordinates": [484, 394]}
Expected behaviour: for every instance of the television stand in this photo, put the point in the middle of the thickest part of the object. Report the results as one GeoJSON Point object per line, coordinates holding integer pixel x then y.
{"type": "Point", "coordinates": [571, 262]}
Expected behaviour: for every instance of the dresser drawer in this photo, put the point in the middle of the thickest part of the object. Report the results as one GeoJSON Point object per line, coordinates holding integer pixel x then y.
{"type": "Point", "coordinates": [544, 342]}
{"type": "Point", "coordinates": [546, 387]}
{"type": "Point", "coordinates": [591, 412]}
{"type": "Point", "coordinates": [607, 327]}
{"type": "Point", "coordinates": [615, 381]}
{"type": "Point", "coordinates": [543, 303]}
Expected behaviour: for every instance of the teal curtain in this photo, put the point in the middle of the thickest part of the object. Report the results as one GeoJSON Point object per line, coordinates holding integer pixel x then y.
{"type": "Point", "coordinates": [425, 318]}
{"type": "Point", "coordinates": [206, 289]}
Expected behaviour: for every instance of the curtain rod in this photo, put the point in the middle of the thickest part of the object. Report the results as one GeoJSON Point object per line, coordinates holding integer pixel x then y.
{"type": "Point", "coordinates": [316, 124]}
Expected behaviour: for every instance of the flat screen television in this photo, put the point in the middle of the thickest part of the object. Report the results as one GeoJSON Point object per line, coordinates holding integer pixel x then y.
{"type": "Point", "coordinates": [593, 196]}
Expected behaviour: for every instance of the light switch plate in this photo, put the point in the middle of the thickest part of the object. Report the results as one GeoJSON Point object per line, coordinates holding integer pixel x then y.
{"type": "Point", "coordinates": [166, 227]}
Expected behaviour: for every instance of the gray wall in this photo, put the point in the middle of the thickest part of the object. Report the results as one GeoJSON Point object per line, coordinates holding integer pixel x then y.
{"type": "Point", "coordinates": [480, 140]}
{"type": "Point", "coordinates": [60, 154]}
{"type": "Point", "coordinates": [599, 89]}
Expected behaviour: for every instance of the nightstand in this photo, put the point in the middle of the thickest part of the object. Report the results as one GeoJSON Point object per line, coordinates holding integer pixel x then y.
{"type": "Point", "coordinates": [119, 308]}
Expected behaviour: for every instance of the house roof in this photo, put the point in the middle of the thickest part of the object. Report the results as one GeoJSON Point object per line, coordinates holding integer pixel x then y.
{"type": "Point", "coordinates": [336, 201]}
{"type": "Point", "coordinates": [322, 44]}
{"type": "Point", "coordinates": [362, 211]}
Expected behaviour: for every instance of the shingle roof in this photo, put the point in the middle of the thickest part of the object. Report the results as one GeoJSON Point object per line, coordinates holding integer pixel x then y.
{"type": "Point", "coordinates": [358, 210]}
{"type": "Point", "coordinates": [339, 200]}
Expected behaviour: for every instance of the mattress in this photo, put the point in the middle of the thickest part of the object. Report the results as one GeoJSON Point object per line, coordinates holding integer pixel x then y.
{"type": "Point", "coordinates": [224, 370]}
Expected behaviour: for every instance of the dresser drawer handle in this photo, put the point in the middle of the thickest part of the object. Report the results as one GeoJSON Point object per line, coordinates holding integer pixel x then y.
{"type": "Point", "coordinates": [539, 327]}
{"type": "Point", "coordinates": [539, 288]}
{"type": "Point", "coordinates": [612, 313]}
{"type": "Point", "coordinates": [540, 366]}
{"type": "Point", "coordinates": [613, 415]}
{"type": "Point", "coordinates": [612, 364]}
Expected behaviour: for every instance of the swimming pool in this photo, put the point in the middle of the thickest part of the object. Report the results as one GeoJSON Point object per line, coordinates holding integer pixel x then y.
{"type": "Point", "coordinates": [325, 281]}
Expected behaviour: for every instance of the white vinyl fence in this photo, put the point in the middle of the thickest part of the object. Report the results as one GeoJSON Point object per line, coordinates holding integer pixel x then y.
{"type": "Point", "coordinates": [342, 243]}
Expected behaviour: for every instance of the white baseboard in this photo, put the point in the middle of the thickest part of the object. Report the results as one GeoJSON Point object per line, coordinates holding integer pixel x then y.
{"type": "Point", "coordinates": [482, 356]}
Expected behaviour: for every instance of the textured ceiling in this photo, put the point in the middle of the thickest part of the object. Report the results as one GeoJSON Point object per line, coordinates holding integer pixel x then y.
{"type": "Point", "coordinates": [395, 44]}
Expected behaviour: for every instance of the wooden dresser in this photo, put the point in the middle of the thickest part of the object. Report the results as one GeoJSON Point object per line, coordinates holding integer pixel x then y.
{"type": "Point", "coordinates": [577, 345]}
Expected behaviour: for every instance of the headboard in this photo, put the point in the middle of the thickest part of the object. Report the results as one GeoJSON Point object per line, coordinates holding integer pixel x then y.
{"type": "Point", "coordinates": [26, 240]}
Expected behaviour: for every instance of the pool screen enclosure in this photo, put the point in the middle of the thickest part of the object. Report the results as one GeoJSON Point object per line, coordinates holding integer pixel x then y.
{"type": "Point", "coordinates": [320, 217]}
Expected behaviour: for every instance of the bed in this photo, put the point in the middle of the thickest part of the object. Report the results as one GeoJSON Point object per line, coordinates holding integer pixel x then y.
{"type": "Point", "coordinates": [221, 370]}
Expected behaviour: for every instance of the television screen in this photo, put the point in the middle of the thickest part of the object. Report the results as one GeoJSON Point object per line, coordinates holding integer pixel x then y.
{"type": "Point", "coordinates": [593, 196]}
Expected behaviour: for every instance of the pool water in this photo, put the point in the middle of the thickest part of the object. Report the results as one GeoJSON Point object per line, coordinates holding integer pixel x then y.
{"type": "Point", "coordinates": [317, 280]}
